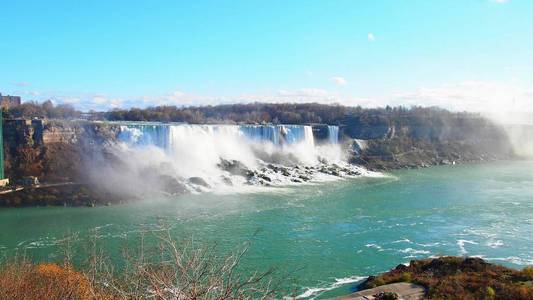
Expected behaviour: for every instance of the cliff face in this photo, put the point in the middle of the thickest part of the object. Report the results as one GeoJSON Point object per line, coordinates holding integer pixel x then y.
{"type": "Point", "coordinates": [59, 151]}
{"type": "Point", "coordinates": [23, 148]}
{"type": "Point", "coordinates": [399, 141]}
{"type": "Point", "coordinates": [54, 151]}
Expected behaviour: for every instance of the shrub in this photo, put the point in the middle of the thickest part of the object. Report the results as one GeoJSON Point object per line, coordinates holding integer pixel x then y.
{"type": "Point", "coordinates": [527, 272]}
{"type": "Point", "coordinates": [406, 277]}
{"type": "Point", "coordinates": [386, 296]}
{"type": "Point", "coordinates": [491, 293]}
{"type": "Point", "coordinates": [45, 281]}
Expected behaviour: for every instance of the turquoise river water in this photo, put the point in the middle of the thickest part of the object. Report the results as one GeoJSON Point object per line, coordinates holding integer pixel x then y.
{"type": "Point", "coordinates": [333, 234]}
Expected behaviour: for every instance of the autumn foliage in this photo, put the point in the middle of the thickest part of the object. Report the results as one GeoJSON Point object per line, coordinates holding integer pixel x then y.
{"type": "Point", "coordinates": [45, 281]}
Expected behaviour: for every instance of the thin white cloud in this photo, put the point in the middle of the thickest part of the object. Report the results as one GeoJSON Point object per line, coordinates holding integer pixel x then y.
{"type": "Point", "coordinates": [30, 93]}
{"type": "Point", "coordinates": [499, 1]}
{"type": "Point", "coordinates": [309, 92]}
{"type": "Point", "coordinates": [21, 84]}
{"type": "Point", "coordinates": [371, 37]}
{"type": "Point", "coordinates": [179, 98]}
{"type": "Point", "coordinates": [339, 80]}
{"type": "Point", "coordinates": [82, 101]}
{"type": "Point", "coordinates": [477, 96]}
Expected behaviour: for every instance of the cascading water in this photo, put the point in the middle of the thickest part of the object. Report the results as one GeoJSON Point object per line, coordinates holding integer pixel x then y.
{"type": "Point", "coordinates": [168, 136]}
{"type": "Point", "coordinates": [333, 134]}
{"type": "Point", "coordinates": [145, 134]}
{"type": "Point", "coordinates": [236, 155]}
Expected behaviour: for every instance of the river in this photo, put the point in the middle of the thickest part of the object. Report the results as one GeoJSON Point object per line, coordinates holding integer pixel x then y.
{"type": "Point", "coordinates": [332, 234]}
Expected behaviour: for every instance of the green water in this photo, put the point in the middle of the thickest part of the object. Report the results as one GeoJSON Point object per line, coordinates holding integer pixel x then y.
{"type": "Point", "coordinates": [329, 231]}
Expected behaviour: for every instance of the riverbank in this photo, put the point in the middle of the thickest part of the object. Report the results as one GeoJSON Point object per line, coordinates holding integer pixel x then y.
{"type": "Point", "coordinates": [59, 194]}
{"type": "Point", "coordinates": [439, 278]}
{"type": "Point", "coordinates": [449, 278]}
{"type": "Point", "coordinates": [408, 153]}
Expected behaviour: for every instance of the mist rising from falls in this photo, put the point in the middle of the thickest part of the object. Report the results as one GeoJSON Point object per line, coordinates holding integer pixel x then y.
{"type": "Point", "coordinates": [215, 157]}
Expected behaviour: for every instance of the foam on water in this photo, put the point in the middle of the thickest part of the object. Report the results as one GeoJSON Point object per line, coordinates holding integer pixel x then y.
{"type": "Point", "coordinates": [461, 244]}
{"type": "Point", "coordinates": [316, 291]}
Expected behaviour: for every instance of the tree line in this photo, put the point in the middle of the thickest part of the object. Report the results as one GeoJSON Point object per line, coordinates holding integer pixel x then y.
{"type": "Point", "coordinates": [255, 113]}
{"type": "Point", "coordinates": [44, 110]}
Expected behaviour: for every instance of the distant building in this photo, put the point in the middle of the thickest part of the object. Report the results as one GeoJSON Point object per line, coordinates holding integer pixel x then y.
{"type": "Point", "coordinates": [9, 101]}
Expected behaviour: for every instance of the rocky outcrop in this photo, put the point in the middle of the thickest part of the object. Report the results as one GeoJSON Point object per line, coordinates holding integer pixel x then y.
{"type": "Point", "coordinates": [65, 194]}
{"type": "Point", "coordinates": [54, 151]}
{"type": "Point", "coordinates": [383, 143]}
{"type": "Point", "coordinates": [459, 278]}
{"type": "Point", "coordinates": [397, 153]}
{"type": "Point", "coordinates": [234, 167]}
{"type": "Point", "coordinates": [393, 291]}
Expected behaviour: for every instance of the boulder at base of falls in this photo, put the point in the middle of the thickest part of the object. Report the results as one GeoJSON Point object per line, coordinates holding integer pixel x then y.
{"type": "Point", "coordinates": [264, 177]}
{"type": "Point", "coordinates": [353, 173]}
{"type": "Point", "coordinates": [304, 178]}
{"type": "Point", "coordinates": [171, 185]}
{"type": "Point", "coordinates": [234, 167]}
{"type": "Point", "coordinates": [227, 181]}
{"type": "Point", "coordinates": [199, 181]}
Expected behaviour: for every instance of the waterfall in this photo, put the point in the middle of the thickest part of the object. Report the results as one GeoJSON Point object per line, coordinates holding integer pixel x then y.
{"type": "Point", "coordinates": [231, 155]}
{"type": "Point", "coordinates": [261, 133]}
{"type": "Point", "coordinates": [145, 134]}
{"type": "Point", "coordinates": [333, 134]}
{"type": "Point", "coordinates": [278, 135]}
{"type": "Point", "coordinates": [174, 135]}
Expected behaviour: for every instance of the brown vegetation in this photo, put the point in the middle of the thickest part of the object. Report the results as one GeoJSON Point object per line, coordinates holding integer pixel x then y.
{"type": "Point", "coordinates": [46, 109]}
{"type": "Point", "coordinates": [461, 278]}
{"type": "Point", "coordinates": [171, 270]}
{"type": "Point", "coordinates": [46, 281]}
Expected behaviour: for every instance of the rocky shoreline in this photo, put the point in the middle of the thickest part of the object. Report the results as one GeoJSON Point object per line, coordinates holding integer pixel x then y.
{"type": "Point", "coordinates": [61, 194]}
{"type": "Point", "coordinates": [90, 195]}
{"type": "Point", "coordinates": [402, 153]}
{"type": "Point", "coordinates": [450, 278]}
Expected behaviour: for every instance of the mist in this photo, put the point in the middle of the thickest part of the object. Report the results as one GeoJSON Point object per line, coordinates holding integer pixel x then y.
{"type": "Point", "coordinates": [519, 129]}
{"type": "Point", "coordinates": [162, 159]}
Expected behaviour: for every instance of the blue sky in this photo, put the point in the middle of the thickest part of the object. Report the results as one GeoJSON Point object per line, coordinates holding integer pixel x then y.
{"type": "Point", "coordinates": [459, 54]}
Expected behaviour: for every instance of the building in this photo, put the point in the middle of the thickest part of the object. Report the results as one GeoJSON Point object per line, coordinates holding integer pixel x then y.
{"type": "Point", "coordinates": [9, 101]}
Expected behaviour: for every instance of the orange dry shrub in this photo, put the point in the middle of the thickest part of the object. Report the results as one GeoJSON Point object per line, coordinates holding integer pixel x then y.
{"type": "Point", "coordinates": [46, 281]}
